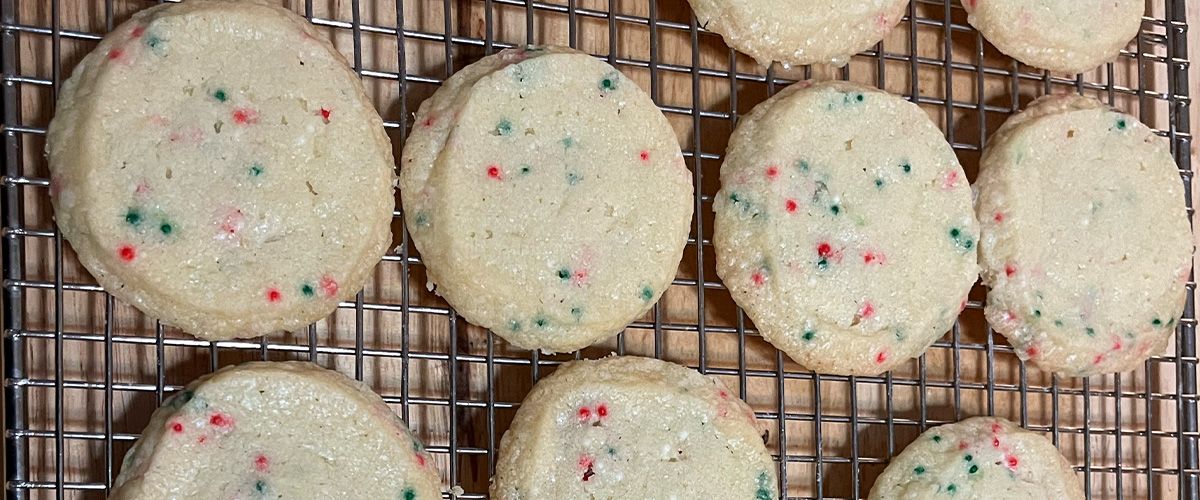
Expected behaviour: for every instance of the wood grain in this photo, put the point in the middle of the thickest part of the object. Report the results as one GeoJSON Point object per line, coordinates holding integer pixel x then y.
{"type": "Point", "coordinates": [853, 426]}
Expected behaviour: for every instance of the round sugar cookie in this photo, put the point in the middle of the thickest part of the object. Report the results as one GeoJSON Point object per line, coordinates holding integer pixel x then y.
{"type": "Point", "coordinates": [1086, 246]}
{"type": "Point", "coordinates": [1067, 36]}
{"type": "Point", "coordinates": [547, 196]}
{"type": "Point", "coordinates": [219, 167]}
{"type": "Point", "coordinates": [980, 458]}
{"type": "Point", "coordinates": [276, 430]}
{"type": "Point", "coordinates": [796, 33]}
{"type": "Point", "coordinates": [844, 227]}
{"type": "Point", "coordinates": [632, 427]}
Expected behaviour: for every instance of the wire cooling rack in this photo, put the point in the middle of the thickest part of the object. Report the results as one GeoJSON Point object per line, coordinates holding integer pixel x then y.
{"type": "Point", "coordinates": [82, 372]}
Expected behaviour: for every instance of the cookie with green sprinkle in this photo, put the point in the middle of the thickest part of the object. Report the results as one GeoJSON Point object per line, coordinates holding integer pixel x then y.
{"type": "Point", "coordinates": [632, 427]}
{"type": "Point", "coordinates": [980, 458]}
{"type": "Point", "coordinates": [1086, 244]}
{"type": "Point", "coordinates": [276, 430]}
{"type": "Point", "coordinates": [229, 182]}
{"type": "Point", "coordinates": [547, 196]}
{"type": "Point", "coordinates": [844, 227]}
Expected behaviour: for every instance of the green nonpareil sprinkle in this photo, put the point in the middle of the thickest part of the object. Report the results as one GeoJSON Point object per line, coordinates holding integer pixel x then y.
{"type": "Point", "coordinates": [166, 228]}
{"type": "Point", "coordinates": [835, 209]}
{"type": "Point", "coordinates": [525, 169]}
{"type": "Point", "coordinates": [514, 325]}
{"type": "Point", "coordinates": [1156, 322]}
{"type": "Point", "coordinates": [906, 167]}
{"type": "Point", "coordinates": [1091, 332]}
{"type": "Point", "coordinates": [647, 294]}
{"type": "Point", "coordinates": [1037, 313]}
{"type": "Point", "coordinates": [256, 169]}
{"type": "Point", "coordinates": [920, 469]}
{"type": "Point", "coordinates": [937, 439]}
{"type": "Point", "coordinates": [879, 183]}
{"type": "Point", "coordinates": [541, 321]}
{"type": "Point", "coordinates": [610, 81]}
{"type": "Point", "coordinates": [577, 312]}
{"type": "Point", "coordinates": [809, 335]}
{"type": "Point", "coordinates": [564, 274]}
{"type": "Point", "coordinates": [409, 493]}
{"type": "Point", "coordinates": [133, 217]}
{"type": "Point", "coordinates": [504, 127]}
{"type": "Point", "coordinates": [973, 469]}
{"type": "Point", "coordinates": [220, 95]}
{"type": "Point", "coordinates": [306, 289]}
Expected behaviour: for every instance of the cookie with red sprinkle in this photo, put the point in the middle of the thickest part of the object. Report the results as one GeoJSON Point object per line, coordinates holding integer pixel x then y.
{"type": "Point", "coordinates": [1066, 36]}
{"type": "Point", "coordinates": [844, 227]}
{"type": "Point", "coordinates": [216, 163]}
{"type": "Point", "coordinates": [980, 458]}
{"type": "Point", "coordinates": [633, 427]}
{"type": "Point", "coordinates": [276, 430]}
{"type": "Point", "coordinates": [1086, 244]}
{"type": "Point", "coordinates": [796, 33]}
{"type": "Point", "coordinates": [547, 196]}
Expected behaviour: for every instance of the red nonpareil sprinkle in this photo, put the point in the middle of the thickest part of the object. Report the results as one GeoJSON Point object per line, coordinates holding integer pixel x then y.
{"type": "Point", "coordinates": [494, 172]}
{"type": "Point", "coordinates": [580, 277]}
{"type": "Point", "coordinates": [772, 172]}
{"type": "Point", "coordinates": [420, 459]}
{"type": "Point", "coordinates": [428, 121]}
{"type": "Point", "coordinates": [142, 188]}
{"type": "Point", "coordinates": [137, 31]}
{"type": "Point", "coordinates": [274, 295]}
{"type": "Point", "coordinates": [881, 357]}
{"type": "Point", "coordinates": [995, 442]}
{"type": "Point", "coordinates": [1116, 345]}
{"type": "Point", "coordinates": [791, 206]}
{"type": "Point", "coordinates": [261, 463]}
{"type": "Point", "coordinates": [881, 21]}
{"type": "Point", "coordinates": [962, 445]}
{"type": "Point", "coordinates": [115, 54]}
{"type": "Point", "coordinates": [127, 253]}
{"type": "Point", "coordinates": [220, 420]}
{"type": "Point", "coordinates": [867, 311]}
{"type": "Point", "coordinates": [1099, 358]}
{"type": "Point", "coordinates": [232, 222]}
{"type": "Point", "coordinates": [201, 439]}
{"type": "Point", "coordinates": [1010, 270]}
{"type": "Point", "coordinates": [644, 155]}
{"type": "Point", "coordinates": [329, 286]}
{"type": "Point", "coordinates": [758, 279]}
{"type": "Point", "coordinates": [1031, 352]}
{"type": "Point", "coordinates": [723, 394]}
{"type": "Point", "coordinates": [951, 180]}
{"type": "Point", "coordinates": [245, 116]}
{"type": "Point", "coordinates": [1011, 461]}
{"type": "Point", "coordinates": [999, 217]}
{"type": "Point", "coordinates": [585, 462]}
{"type": "Point", "coordinates": [602, 411]}
{"type": "Point", "coordinates": [824, 250]}
{"type": "Point", "coordinates": [177, 427]}
{"type": "Point", "coordinates": [1009, 316]}
{"type": "Point", "coordinates": [585, 414]}
{"type": "Point", "coordinates": [995, 428]}
{"type": "Point", "coordinates": [324, 112]}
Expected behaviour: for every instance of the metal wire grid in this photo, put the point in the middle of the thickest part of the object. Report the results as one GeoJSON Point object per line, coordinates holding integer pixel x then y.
{"type": "Point", "coordinates": [811, 464]}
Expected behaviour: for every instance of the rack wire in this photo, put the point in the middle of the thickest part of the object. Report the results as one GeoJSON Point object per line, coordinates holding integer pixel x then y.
{"type": "Point", "coordinates": [82, 372]}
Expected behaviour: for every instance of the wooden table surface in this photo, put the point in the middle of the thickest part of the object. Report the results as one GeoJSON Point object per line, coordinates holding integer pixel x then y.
{"type": "Point", "coordinates": [861, 422]}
